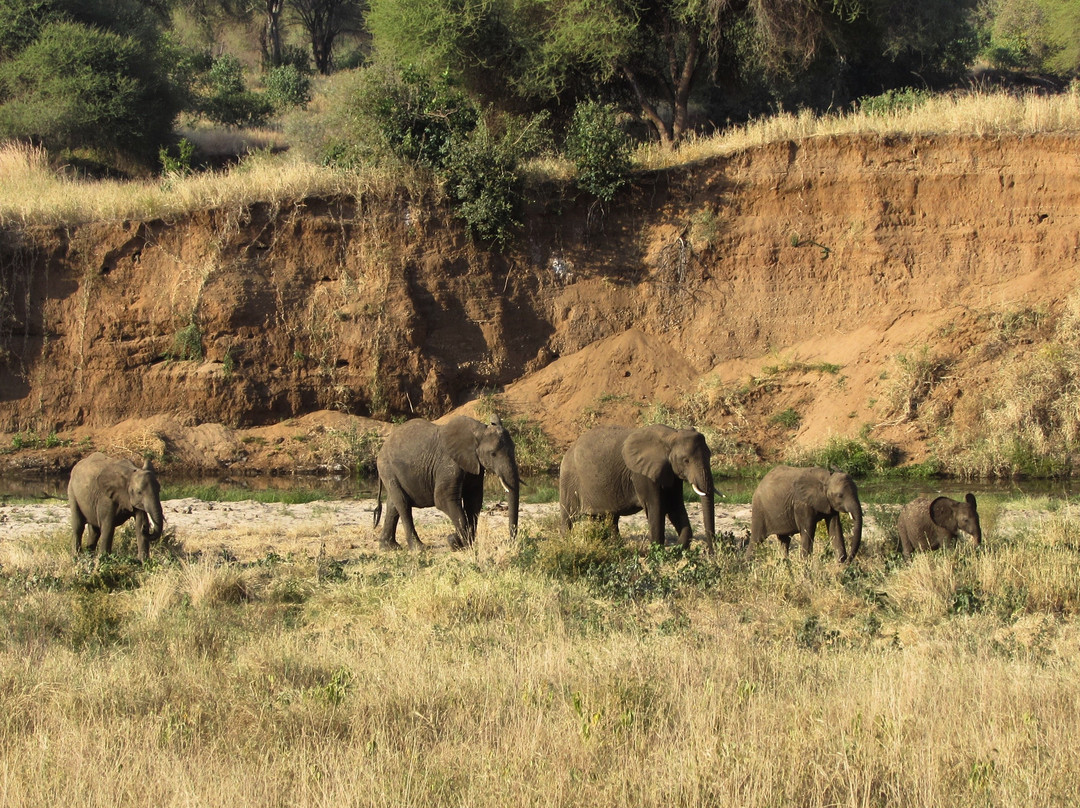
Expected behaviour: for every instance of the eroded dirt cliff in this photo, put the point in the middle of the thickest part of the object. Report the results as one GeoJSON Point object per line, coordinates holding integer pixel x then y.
{"type": "Point", "coordinates": [826, 258]}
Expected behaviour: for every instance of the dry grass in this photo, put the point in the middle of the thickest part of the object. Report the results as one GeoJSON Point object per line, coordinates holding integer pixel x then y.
{"type": "Point", "coordinates": [479, 679]}
{"type": "Point", "coordinates": [978, 114]}
{"type": "Point", "coordinates": [31, 192]}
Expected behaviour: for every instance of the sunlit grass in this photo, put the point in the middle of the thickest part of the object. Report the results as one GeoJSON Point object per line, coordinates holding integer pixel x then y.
{"type": "Point", "coordinates": [424, 679]}
{"type": "Point", "coordinates": [977, 114]}
{"type": "Point", "coordinates": [33, 192]}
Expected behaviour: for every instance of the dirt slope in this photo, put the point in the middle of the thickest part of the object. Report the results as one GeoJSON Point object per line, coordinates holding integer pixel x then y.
{"type": "Point", "coordinates": [811, 265]}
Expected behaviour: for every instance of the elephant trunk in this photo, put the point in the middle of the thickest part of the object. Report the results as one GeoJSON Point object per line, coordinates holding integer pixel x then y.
{"type": "Point", "coordinates": [708, 516]}
{"type": "Point", "coordinates": [511, 482]}
{"type": "Point", "coordinates": [856, 531]}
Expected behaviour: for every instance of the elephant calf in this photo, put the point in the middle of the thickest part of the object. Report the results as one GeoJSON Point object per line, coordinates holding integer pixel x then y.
{"type": "Point", "coordinates": [104, 492]}
{"type": "Point", "coordinates": [791, 500]}
{"type": "Point", "coordinates": [928, 524]}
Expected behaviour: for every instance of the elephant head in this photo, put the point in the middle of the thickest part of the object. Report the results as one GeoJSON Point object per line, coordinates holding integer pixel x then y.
{"type": "Point", "coordinates": [478, 447]}
{"type": "Point", "coordinates": [144, 492]}
{"type": "Point", "coordinates": [663, 454]}
{"type": "Point", "coordinates": [951, 515]}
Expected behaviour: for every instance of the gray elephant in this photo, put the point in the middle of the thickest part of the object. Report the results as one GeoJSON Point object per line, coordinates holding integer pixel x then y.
{"type": "Point", "coordinates": [104, 492]}
{"type": "Point", "coordinates": [422, 464]}
{"type": "Point", "coordinates": [791, 500]}
{"type": "Point", "coordinates": [616, 471]}
{"type": "Point", "coordinates": [927, 524]}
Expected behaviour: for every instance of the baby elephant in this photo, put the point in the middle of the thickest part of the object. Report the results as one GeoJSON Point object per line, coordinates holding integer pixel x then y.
{"type": "Point", "coordinates": [104, 493]}
{"type": "Point", "coordinates": [927, 524]}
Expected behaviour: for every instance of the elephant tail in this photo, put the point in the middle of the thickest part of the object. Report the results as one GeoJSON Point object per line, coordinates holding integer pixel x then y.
{"type": "Point", "coordinates": [378, 504]}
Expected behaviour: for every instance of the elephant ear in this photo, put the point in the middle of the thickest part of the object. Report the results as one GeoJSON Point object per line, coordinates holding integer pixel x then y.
{"type": "Point", "coordinates": [810, 490]}
{"type": "Point", "coordinates": [969, 498]}
{"type": "Point", "coordinates": [459, 437]}
{"type": "Point", "coordinates": [646, 452]}
{"type": "Point", "coordinates": [943, 513]}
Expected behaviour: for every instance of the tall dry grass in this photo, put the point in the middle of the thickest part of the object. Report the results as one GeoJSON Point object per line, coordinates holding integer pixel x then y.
{"type": "Point", "coordinates": [990, 114]}
{"type": "Point", "coordinates": [32, 192]}
{"type": "Point", "coordinates": [417, 680]}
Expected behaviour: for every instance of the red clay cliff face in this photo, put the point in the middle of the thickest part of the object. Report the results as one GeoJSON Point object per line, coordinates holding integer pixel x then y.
{"type": "Point", "coordinates": [844, 251]}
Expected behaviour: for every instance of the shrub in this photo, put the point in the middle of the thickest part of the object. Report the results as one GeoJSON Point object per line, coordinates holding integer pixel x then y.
{"type": "Point", "coordinates": [891, 102]}
{"type": "Point", "coordinates": [287, 86]}
{"type": "Point", "coordinates": [228, 101]}
{"type": "Point", "coordinates": [599, 149]}
{"type": "Point", "coordinates": [77, 87]}
{"type": "Point", "coordinates": [481, 177]}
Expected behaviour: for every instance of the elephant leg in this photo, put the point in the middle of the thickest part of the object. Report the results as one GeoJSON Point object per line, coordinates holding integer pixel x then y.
{"type": "Point", "coordinates": [905, 541]}
{"type": "Point", "coordinates": [472, 500]}
{"type": "Point", "coordinates": [411, 536]}
{"type": "Point", "coordinates": [655, 517]}
{"type": "Point", "coordinates": [104, 544]}
{"type": "Point", "coordinates": [389, 528]}
{"type": "Point", "coordinates": [757, 529]}
{"type": "Point", "coordinates": [680, 520]}
{"type": "Point", "coordinates": [78, 523]}
{"type": "Point", "coordinates": [615, 536]}
{"type": "Point", "coordinates": [92, 535]}
{"type": "Point", "coordinates": [142, 535]}
{"type": "Point", "coordinates": [452, 507]}
{"type": "Point", "coordinates": [785, 543]}
{"type": "Point", "coordinates": [836, 534]}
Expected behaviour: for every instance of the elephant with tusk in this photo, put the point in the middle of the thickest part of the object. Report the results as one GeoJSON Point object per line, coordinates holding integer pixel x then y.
{"type": "Point", "coordinates": [617, 471]}
{"type": "Point", "coordinates": [104, 492]}
{"type": "Point", "coordinates": [422, 464]}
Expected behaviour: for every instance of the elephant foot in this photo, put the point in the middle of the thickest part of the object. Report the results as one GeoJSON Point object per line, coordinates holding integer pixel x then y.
{"type": "Point", "coordinates": [416, 544]}
{"type": "Point", "coordinates": [390, 544]}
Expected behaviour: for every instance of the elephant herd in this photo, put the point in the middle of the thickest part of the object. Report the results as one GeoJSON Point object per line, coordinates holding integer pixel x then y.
{"type": "Point", "coordinates": [608, 472]}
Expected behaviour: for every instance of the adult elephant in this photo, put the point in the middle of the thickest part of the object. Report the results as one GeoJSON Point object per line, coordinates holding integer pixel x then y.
{"type": "Point", "coordinates": [616, 471]}
{"type": "Point", "coordinates": [927, 524]}
{"type": "Point", "coordinates": [791, 500]}
{"type": "Point", "coordinates": [103, 493]}
{"type": "Point", "coordinates": [422, 464]}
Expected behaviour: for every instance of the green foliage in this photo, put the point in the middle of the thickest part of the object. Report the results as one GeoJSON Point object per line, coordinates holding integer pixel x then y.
{"type": "Point", "coordinates": [892, 102]}
{"type": "Point", "coordinates": [788, 419]}
{"type": "Point", "coordinates": [481, 177]}
{"type": "Point", "coordinates": [287, 87]}
{"type": "Point", "coordinates": [77, 87]}
{"type": "Point", "coordinates": [1033, 35]}
{"type": "Point", "coordinates": [227, 100]}
{"type": "Point", "coordinates": [599, 149]}
{"type": "Point", "coordinates": [180, 165]}
{"type": "Point", "coordinates": [187, 342]}
{"type": "Point", "coordinates": [857, 456]}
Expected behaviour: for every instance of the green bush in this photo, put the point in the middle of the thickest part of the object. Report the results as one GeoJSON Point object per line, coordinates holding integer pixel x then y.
{"type": "Point", "coordinates": [286, 87]}
{"type": "Point", "coordinates": [228, 101]}
{"type": "Point", "coordinates": [599, 149]}
{"type": "Point", "coordinates": [77, 87]}
{"type": "Point", "coordinates": [481, 178]}
{"type": "Point", "coordinates": [890, 102]}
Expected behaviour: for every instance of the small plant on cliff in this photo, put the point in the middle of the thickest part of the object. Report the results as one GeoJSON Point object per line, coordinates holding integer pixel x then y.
{"type": "Point", "coordinates": [187, 342]}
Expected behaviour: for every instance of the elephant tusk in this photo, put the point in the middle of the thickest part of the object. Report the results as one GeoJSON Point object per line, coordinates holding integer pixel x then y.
{"type": "Point", "coordinates": [698, 491]}
{"type": "Point", "coordinates": [153, 524]}
{"type": "Point", "coordinates": [505, 487]}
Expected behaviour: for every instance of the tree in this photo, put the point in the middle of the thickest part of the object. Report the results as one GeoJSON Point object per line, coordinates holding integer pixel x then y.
{"type": "Point", "coordinates": [325, 21]}
{"type": "Point", "coordinates": [560, 51]}
{"type": "Point", "coordinates": [76, 87]}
